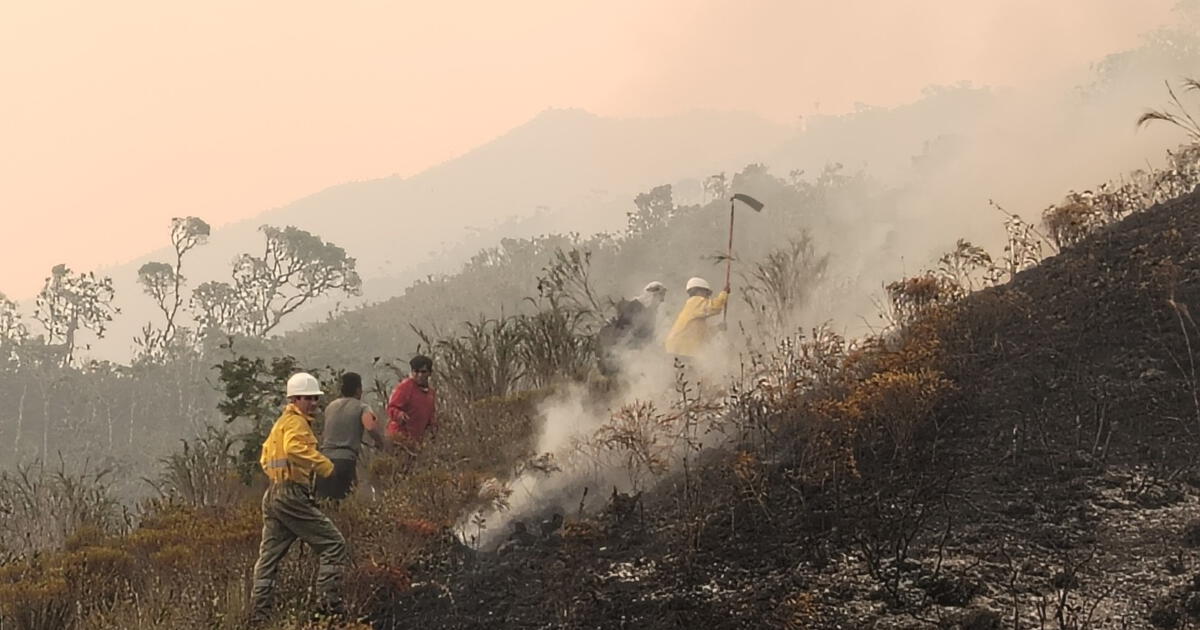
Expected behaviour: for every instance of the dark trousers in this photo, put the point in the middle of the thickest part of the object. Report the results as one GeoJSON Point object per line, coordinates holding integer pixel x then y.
{"type": "Point", "coordinates": [340, 483]}
{"type": "Point", "coordinates": [289, 514]}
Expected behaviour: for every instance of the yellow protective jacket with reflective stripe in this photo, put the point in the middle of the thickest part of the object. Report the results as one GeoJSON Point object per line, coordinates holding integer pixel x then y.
{"type": "Point", "coordinates": [690, 332]}
{"type": "Point", "coordinates": [290, 451]}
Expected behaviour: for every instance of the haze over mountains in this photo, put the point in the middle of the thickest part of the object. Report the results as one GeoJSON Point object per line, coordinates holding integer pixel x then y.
{"type": "Point", "coordinates": [567, 170]}
{"type": "Point", "coordinates": [564, 170]}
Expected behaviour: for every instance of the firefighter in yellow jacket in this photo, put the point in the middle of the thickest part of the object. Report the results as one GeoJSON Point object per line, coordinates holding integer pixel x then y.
{"type": "Point", "coordinates": [691, 333]}
{"type": "Point", "coordinates": [290, 459]}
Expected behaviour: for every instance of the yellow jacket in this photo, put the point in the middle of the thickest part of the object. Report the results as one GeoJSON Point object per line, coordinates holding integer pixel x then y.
{"type": "Point", "coordinates": [690, 332]}
{"type": "Point", "coordinates": [290, 451]}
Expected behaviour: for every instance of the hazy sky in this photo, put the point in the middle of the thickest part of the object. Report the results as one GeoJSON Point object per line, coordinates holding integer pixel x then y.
{"type": "Point", "coordinates": [118, 115]}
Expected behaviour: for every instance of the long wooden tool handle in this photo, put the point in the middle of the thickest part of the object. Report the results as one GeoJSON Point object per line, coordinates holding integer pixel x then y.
{"type": "Point", "coordinates": [728, 263]}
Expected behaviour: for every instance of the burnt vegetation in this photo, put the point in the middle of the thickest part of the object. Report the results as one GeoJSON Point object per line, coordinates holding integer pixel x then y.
{"type": "Point", "coordinates": [1014, 448]}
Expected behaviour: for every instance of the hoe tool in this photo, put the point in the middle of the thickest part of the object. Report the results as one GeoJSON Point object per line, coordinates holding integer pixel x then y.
{"type": "Point", "coordinates": [754, 205]}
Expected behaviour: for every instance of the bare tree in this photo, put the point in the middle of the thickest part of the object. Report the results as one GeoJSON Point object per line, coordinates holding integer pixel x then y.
{"type": "Point", "coordinates": [69, 302]}
{"type": "Point", "coordinates": [164, 283]}
{"type": "Point", "coordinates": [295, 267]}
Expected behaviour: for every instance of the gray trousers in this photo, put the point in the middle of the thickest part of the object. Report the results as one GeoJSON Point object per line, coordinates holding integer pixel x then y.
{"type": "Point", "coordinates": [289, 513]}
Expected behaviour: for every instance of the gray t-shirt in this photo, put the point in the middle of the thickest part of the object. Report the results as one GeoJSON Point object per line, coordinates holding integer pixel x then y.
{"type": "Point", "coordinates": [343, 428]}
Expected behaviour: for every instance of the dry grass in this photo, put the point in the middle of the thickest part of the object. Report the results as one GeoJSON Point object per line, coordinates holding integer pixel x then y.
{"type": "Point", "coordinates": [639, 436]}
{"type": "Point", "coordinates": [1176, 113]}
{"type": "Point", "coordinates": [203, 473]}
{"type": "Point", "coordinates": [781, 284]}
{"type": "Point", "coordinates": [826, 406]}
{"type": "Point", "coordinates": [41, 507]}
{"type": "Point", "coordinates": [186, 564]}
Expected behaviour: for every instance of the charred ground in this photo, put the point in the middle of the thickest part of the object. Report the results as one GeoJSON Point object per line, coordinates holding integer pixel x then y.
{"type": "Point", "coordinates": [1014, 457]}
{"type": "Point", "coordinates": [1055, 487]}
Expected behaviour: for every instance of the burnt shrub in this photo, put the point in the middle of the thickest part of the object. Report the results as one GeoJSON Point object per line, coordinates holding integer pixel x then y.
{"type": "Point", "coordinates": [1165, 613]}
{"type": "Point", "coordinates": [1191, 534]}
{"type": "Point", "coordinates": [978, 619]}
{"type": "Point", "coordinates": [947, 590]}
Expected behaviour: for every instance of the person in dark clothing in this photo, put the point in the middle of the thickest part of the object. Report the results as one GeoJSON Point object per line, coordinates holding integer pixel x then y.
{"type": "Point", "coordinates": [346, 419]}
{"type": "Point", "coordinates": [641, 314]}
{"type": "Point", "coordinates": [634, 326]}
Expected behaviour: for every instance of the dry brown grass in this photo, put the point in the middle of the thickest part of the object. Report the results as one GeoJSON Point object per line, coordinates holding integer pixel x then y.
{"type": "Point", "coordinates": [187, 564]}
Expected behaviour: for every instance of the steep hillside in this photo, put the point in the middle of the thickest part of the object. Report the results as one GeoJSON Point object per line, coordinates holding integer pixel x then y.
{"type": "Point", "coordinates": [1020, 456]}
{"type": "Point", "coordinates": [1056, 488]}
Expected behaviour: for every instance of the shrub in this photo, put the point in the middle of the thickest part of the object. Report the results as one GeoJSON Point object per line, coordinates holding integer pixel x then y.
{"type": "Point", "coordinates": [897, 404]}
{"type": "Point", "coordinates": [50, 590]}
{"type": "Point", "coordinates": [42, 603]}
{"type": "Point", "coordinates": [1191, 534]}
{"type": "Point", "coordinates": [778, 286]}
{"type": "Point", "coordinates": [482, 362]}
{"type": "Point", "coordinates": [910, 298]}
{"type": "Point", "coordinates": [42, 508]}
{"type": "Point", "coordinates": [640, 436]}
{"type": "Point", "coordinates": [870, 399]}
{"type": "Point", "coordinates": [495, 356]}
{"type": "Point", "coordinates": [1071, 222]}
{"type": "Point", "coordinates": [204, 473]}
{"type": "Point", "coordinates": [555, 346]}
{"type": "Point", "coordinates": [371, 584]}
{"type": "Point", "coordinates": [1165, 613]}
{"type": "Point", "coordinates": [979, 619]}
{"type": "Point", "coordinates": [797, 611]}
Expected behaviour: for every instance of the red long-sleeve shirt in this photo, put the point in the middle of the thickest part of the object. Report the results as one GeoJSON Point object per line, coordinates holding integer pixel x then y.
{"type": "Point", "coordinates": [418, 403]}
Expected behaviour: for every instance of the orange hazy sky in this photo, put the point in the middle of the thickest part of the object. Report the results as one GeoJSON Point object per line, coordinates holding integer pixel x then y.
{"type": "Point", "coordinates": [118, 115]}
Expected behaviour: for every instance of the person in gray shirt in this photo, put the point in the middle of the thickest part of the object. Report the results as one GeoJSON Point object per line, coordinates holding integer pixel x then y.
{"type": "Point", "coordinates": [346, 419]}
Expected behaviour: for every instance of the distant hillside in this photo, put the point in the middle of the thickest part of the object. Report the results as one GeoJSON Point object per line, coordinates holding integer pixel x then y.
{"type": "Point", "coordinates": [1058, 482]}
{"type": "Point", "coordinates": [564, 169]}
{"type": "Point", "coordinates": [945, 155]}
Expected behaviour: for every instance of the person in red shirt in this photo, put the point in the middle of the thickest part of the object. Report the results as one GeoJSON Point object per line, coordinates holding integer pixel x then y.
{"type": "Point", "coordinates": [412, 406]}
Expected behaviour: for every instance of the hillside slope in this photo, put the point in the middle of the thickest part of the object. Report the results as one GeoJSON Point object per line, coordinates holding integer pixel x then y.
{"type": "Point", "coordinates": [563, 169]}
{"type": "Point", "coordinates": [1056, 489]}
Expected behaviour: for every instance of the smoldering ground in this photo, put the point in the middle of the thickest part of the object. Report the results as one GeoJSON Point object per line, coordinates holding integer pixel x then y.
{"type": "Point", "coordinates": [655, 415]}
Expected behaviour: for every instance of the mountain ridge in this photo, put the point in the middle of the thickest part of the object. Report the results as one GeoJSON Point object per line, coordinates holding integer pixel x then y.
{"type": "Point", "coordinates": [569, 163]}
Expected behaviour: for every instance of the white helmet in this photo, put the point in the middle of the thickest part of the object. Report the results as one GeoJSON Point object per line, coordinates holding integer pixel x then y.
{"type": "Point", "coordinates": [655, 287]}
{"type": "Point", "coordinates": [698, 283]}
{"type": "Point", "coordinates": [303, 384]}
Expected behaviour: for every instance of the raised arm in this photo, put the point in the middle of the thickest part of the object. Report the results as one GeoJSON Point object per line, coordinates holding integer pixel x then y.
{"type": "Point", "coordinates": [715, 306]}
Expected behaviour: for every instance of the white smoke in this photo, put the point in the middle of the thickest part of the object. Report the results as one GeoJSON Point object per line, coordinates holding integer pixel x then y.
{"type": "Point", "coordinates": [1023, 147]}
{"type": "Point", "coordinates": [570, 420]}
